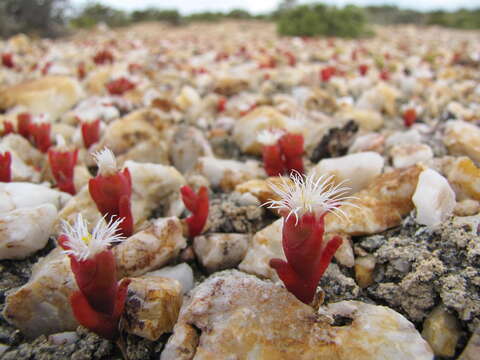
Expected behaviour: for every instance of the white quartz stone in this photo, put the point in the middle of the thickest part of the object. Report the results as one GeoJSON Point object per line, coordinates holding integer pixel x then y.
{"type": "Point", "coordinates": [357, 170]}
{"type": "Point", "coordinates": [183, 273]}
{"type": "Point", "coordinates": [410, 154]}
{"type": "Point", "coordinates": [17, 195]}
{"type": "Point", "coordinates": [25, 231]}
{"type": "Point", "coordinates": [433, 198]}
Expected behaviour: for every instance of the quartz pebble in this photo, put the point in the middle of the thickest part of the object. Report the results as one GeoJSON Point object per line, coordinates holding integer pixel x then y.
{"type": "Point", "coordinates": [238, 315]}
{"type": "Point", "coordinates": [380, 206]}
{"type": "Point", "coordinates": [152, 306]}
{"type": "Point", "coordinates": [63, 338]}
{"type": "Point", "coordinates": [220, 251]}
{"type": "Point", "coordinates": [41, 306]}
{"type": "Point", "coordinates": [364, 268]}
{"type": "Point", "coordinates": [434, 199]}
{"type": "Point", "coordinates": [473, 347]}
{"type": "Point", "coordinates": [150, 249]}
{"type": "Point", "coordinates": [442, 331]}
{"type": "Point", "coordinates": [465, 178]}
{"type": "Point", "coordinates": [183, 273]}
{"type": "Point", "coordinates": [410, 154]}
{"type": "Point", "coordinates": [227, 174]}
{"type": "Point", "coordinates": [355, 170]}
{"type": "Point", "coordinates": [188, 144]}
{"type": "Point", "coordinates": [17, 195]}
{"type": "Point", "coordinates": [462, 138]}
{"type": "Point", "coordinates": [26, 230]}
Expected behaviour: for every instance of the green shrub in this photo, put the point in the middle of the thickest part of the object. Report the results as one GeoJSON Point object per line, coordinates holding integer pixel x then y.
{"type": "Point", "coordinates": [319, 19]}
{"type": "Point", "coordinates": [93, 14]}
{"type": "Point", "coordinates": [170, 16]}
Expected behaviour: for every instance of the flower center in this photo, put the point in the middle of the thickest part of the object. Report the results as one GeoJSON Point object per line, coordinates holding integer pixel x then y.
{"type": "Point", "coordinates": [87, 239]}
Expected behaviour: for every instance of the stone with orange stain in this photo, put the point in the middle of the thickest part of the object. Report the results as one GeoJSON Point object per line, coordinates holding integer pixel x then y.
{"type": "Point", "coordinates": [464, 176]}
{"type": "Point", "coordinates": [150, 249]}
{"type": "Point", "coordinates": [462, 138]}
{"type": "Point", "coordinates": [152, 306]}
{"type": "Point", "coordinates": [380, 206]}
{"type": "Point", "coordinates": [261, 188]}
{"type": "Point", "coordinates": [240, 316]}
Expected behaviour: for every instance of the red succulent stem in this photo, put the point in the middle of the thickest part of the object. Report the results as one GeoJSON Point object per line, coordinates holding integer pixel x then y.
{"type": "Point", "coordinates": [90, 132]}
{"type": "Point", "coordinates": [409, 117]}
{"type": "Point", "coordinates": [81, 71]}
{"type": "Point", "coordinates": [292, 60]}
{"type": "Point", "coordinates": [6, 167]}
{"type": "Point", "coordinates": [327, 73]}
{"type": "Point", "coordinates": [273, 160]}
{"type": "Point", "coordinates": [307, 256]}
{"type": "Point", "coordinates": [63, 164]}
{"type": "Point", "coordinates": [363, 69]}
{"type": "Point", "coordinates": [23, 124]}
{"type": "Point", "coordinates": [292, 149]}
{"type": "Point", "coordinates": [103, 57]}
{"type": "Point", "coordinates": [100, 301]}
{"type": "Point", "coordinates": [112, 195]}
{"type": "Point", "coordinates": [7, 128]}
{"type": "Point", "coordinates": [385, 75]}
{"type": "Point", "coordinates": [222, 104]}
{"type": "Point", "coordinates": [120, 86]}
{"type": "Point", "coordinates": [7, 60]}
{"type": "Point", "coordinates": [198, 205]}
{"type": "Point", "coordinates": [41, 135]}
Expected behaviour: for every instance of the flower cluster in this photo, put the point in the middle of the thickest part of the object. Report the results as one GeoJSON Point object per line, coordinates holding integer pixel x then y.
{"type": "Point", "coordinates": [304, 203]}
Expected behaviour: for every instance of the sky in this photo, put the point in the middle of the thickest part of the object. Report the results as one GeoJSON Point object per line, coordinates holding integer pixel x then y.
{"type": "Point", "coordinates": [261, 6]}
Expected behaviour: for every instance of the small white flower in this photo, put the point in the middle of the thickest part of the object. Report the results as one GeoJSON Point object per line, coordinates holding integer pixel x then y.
{"type": "Point", "coordinates": [106, 161]}
{"type": "Point", "coordinates": [84, 245]}
{"type": "Point", "coordinates": [310, 195]}
{"type": "Point", "coordinates": [269, 137]}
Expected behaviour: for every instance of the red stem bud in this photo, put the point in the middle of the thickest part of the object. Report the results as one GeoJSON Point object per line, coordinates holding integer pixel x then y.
{"type": "Point", "coordinates": [120, 86]}
{"type": "Point", "coordinates": [198, 205]}
{"type": "Point", "coordinates": [23, 124]}
{"type": "Point", "coordinates": [41, 135]}
{"type": "Point", "coordinates": [90, 132]}
{"type": "Point", "coordinates": [409, 117]}
{"type": "Point", "coordinates": [63, 164]}
{"type": "Point", "coordinates": [6, 167]}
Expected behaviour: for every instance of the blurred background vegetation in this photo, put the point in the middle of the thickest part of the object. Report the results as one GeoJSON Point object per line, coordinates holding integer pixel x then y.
{"type": "Point", "coordinates": [51, 18]}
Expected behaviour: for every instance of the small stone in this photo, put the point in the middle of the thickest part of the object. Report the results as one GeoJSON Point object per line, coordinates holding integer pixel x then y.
{"type": "Point", "coordinates": [473, 347]}
{"type": "Point", "coordinates": [344, 254]}
{"type": "Point", "coordinates": [52, 95]}
{"type": "Point", "coordinates": [64, 338]}
{"type": "Point", "coordinates": [368, 142]}
{"type": "Point", "coordinates": [336, 142]}
{"type": "Point", "coordinates": [261, 189]}
{"type": "Point", "coordinates": [42, 305]}
{"type": "Point", "coordinates": [220, 251]}
{"type": "Point", "coordinates": [442, 331]}
{"type": "Point", "coordinates": [188, 144]}
{"type": "Point", "coordinates": [26, 230]}
{"type": "Point", "coordinates": [467, 207]}
{"type": "Point", "coordinates": [364, 269]}
{"type": "Point", "coordinates": [152, 306]}
{"type": "Point", "coordinates": [465, 178]}
{"type": "Point", "coordinates": [355, 170]}
{"type": "Point", "coordinates": [462, 138]}
{"type": "Point", "coordinates": [188, 97]}
{"type": "Point", "coordinates": [227, 174]}
{"type": "Point", "coordinates": [240, 316]}
{"type": "Point", "coordinates": [368, 120]}
{"type": "Point", "coordinates": [380, 206]}
{"type": "Point", "coordinates": [434, 199]}
{"type": "Point", "coordinates": [410, 154]}
{"type": "Point", "coordinates": [411, 136]}
{"type": "Point", "coordinates": [150, 249]}
{"type": "Point", "coordinates": [265, 245]}
{"type": "Point", "coordinates": [183, 273]}
{"type": "Point", "coordinates": [17, 195]}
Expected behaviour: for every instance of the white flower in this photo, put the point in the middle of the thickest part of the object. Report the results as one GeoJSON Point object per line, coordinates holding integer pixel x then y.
{"type": "Point", "coordinates": [84, 245]}
{"type": "Point", "coordinates": [310, 195]}
{"type": "Point", "coordinates": [269, 137]}
{"type": "Point", "coordinates": [106, 161]}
